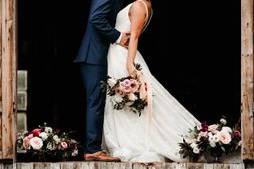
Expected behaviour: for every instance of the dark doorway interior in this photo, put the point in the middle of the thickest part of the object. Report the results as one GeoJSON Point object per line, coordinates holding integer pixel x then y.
{"type": "Point", "coordinates": [192, 47]}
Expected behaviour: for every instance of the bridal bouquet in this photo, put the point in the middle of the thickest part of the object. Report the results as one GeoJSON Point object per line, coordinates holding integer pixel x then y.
{"type": "Point", "coordinates": [127, 93]}
{"type": "Point", "coordinates": [213, 140]}
{"type": "Point", "coordinates": [45, 143]}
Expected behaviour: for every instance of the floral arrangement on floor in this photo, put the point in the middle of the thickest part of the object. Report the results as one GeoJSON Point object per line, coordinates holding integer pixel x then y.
{"type": "Point", "coordinates": [127, 93]}
{"type": "Point", "coordinates": [44, 143]}
{"type": "Point", "coordinates": [210, 140]}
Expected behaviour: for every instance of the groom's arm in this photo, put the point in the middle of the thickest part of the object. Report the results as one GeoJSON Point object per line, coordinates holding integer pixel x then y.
{"type": "Point", "coordinates": [98, 18]}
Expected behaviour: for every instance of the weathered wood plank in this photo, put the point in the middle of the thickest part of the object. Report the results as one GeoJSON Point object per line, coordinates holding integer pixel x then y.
{"type": "Point", "coordinates": [156, 166]}
{"type": "Point", "coordinates": [42, 165]}
{"type": "Point", "coordinates": [1, 79]}
{"type": "Point", "coordinates": [221, 166]}
{"type": "Point", "coordinates": [108, 165]}
{"type": "Point", "coordinates": [67, 165]}
{"type": "Point", "coordinates": [237, 166]}
{"type": "Point", "coordinates": [195, 165]}
{"type": "Point", "coordinates": [0, 55]}
{"type": "Point", "coordinates": [8, 77]}
{"type": "Point", "coordinates": [208, 166]}
{"type": "Point", "coordinates": [139, 166]}
{"type": "Point", "coordinates": [247, 79]}
{"type": "Point", "coordinates": [175, 165]}
{"type": "Point", "coordinates": [24, 165]}
{"type": "Point", "coordinates": [120, 165]}
{"type": "Point", "coordinates": [8, 166]}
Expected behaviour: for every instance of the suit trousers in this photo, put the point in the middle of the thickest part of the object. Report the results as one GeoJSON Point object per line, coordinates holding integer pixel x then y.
{"type": "Point", "coordinates": [92, 75]}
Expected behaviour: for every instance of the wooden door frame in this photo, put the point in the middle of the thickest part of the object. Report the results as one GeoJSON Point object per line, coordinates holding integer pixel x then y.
{"type": "Point", "coordinates": [247, 61]}
{"type": "Point", "coordinates": [8, 67]}
{"type": "Point", "coordinates": [8, 55]}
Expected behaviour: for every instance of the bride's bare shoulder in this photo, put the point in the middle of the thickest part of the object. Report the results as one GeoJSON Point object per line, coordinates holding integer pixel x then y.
{"type": "Point", "coordinates": [140, 7]}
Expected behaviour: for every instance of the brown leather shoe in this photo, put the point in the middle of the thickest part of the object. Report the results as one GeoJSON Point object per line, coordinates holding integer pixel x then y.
{"type": "Point", "coordinates": [101, 156]}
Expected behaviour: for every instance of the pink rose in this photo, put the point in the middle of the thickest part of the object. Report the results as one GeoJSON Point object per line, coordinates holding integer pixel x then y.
{"type": "Point", "coordinates": [26, 144]}
{"type": "Point", "coordinates": [213, 128]}
{"type": "Point", "coordinates": [125, 89]}
{"type": "Point", "coordinates": [36, 132]}
{"type": "Point", "coordinates": [64, 145]}
{"type": "Point", "coordinates": [125, 83]}
{"type": "Point", "coordinates": [134, 85]}
{"type": "Point", "coordinates": [224, 137]}
{"type": "Point", "coordinates": [36, 143]}
{"type": "Point", "coordinates": [30, 136]}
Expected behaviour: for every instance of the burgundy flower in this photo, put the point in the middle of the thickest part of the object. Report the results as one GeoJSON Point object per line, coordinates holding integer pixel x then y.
{"type": "Point", "coordinates": [237, 133]}
{"type": "Point", "coordinates": [204, 127]}
{"type": "Point", "coordinates": [36, 132]}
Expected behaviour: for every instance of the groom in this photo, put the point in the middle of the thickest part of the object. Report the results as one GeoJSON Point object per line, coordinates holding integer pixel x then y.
{"type": "Point", "coordinates": [92, 58]}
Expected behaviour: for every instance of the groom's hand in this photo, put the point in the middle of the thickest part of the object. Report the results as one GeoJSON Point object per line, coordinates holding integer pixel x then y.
{"type": "Point", "coordinates": [125, 40]}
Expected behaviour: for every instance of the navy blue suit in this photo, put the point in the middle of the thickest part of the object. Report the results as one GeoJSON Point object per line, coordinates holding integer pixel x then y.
{"type": "Point", "coordinates": [92, 57]}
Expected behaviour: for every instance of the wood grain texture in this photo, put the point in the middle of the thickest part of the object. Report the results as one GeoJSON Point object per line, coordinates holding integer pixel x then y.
{"type": "Point", "coordinates": [247, 80]}
{"type": "Point", "coordinates": [107, 165]}
{"type": "Point", "coordinates": [8, 65]}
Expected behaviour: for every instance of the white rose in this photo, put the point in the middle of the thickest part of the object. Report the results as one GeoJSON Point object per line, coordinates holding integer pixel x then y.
{"type": "Point", "coordinates": [223, 121]}
{"type": "Point", "coordinates": [48, 130]}
{"type": "Point", "coordinates": [226, 129]}
{"type": "Point", "coordinates": [216, 138]}
{"type": "Point", "coordinates": [132, 97]}
{"type": "Point", "coordinates": [56, 139]}
{"type": "Point", "coordinates": [36, 143]}
{"type": "Point", "coordinates": [43, 135]}
{"type": "Point", "coordinates": [224, 137]}
{"type": "Point", "coordinates": [196, 150]}
{"type": "Point", "coordinates": [118, 98]}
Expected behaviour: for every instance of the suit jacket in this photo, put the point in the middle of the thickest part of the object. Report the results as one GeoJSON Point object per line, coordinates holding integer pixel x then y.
{"type": "Point", "coordinates": [100, 32]}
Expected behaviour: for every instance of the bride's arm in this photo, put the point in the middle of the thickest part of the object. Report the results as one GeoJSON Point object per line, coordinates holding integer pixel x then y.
{"type": "Point", "coordinates": [137, 18]}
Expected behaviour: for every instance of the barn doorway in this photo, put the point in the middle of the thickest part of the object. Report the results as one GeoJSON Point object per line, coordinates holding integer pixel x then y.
{"type": "Point", "coordinates": [196, 59]}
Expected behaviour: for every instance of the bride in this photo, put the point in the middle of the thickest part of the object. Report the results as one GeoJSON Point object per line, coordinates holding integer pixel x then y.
{"type": "Point", "coordinates": [154, 136]}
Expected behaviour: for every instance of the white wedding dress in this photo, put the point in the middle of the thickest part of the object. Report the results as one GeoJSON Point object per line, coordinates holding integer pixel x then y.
{"type": "Point", "coordinates": [154, 136]}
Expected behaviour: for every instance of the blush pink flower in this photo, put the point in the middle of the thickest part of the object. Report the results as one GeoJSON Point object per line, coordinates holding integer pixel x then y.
{"type": "Point", "coordinates": [125, 89]}
{"type": "Point", "coordinates": [125, 83]}
{"type": "Point", "coordinates": [64, 144]}
{"type": "Point", "coordinates": [224, 137]}
{"type": "Point", "coordinates": [30, 136]}
{"type": "Point", "coordinates": [36, 143]}
{"type": "Point", "coordinates": [213, 128]}
{"type": "Point", "coordinates": [26, 143]}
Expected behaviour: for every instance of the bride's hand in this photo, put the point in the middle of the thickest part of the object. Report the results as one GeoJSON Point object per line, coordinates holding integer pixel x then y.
{"type": "Point", "coordinates": [131, 70]}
